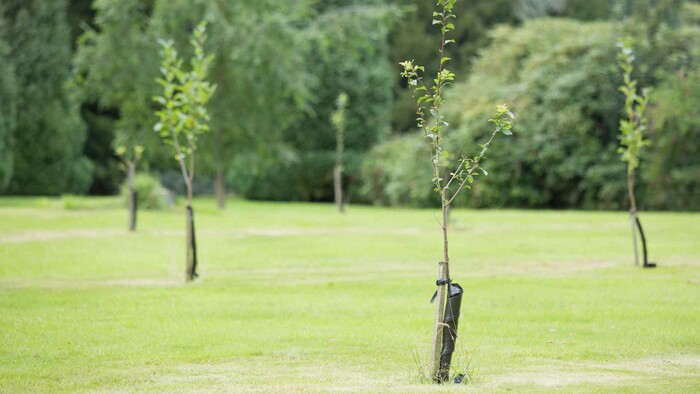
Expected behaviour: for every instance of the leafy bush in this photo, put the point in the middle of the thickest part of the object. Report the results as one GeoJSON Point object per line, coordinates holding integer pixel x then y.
{"type": "Point", "coordinates": [151, 194]}
{"type": "Point", "coordinates": [398, 173]}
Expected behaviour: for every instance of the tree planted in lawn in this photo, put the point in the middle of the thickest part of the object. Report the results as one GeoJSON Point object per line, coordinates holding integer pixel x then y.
{"type": "Point", "coordinates": [447, 183]}
{"type": "Point", "coordinates": [632, 129]}
{"type": "Point", "coordinates": [183, 117]}
{"type": "Point", "coordinates": [114, 66]}
{"type": "Point", "coordinates": [130, 154]}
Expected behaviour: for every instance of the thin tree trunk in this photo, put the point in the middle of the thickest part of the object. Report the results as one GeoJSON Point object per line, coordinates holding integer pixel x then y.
{"type": "Point", "coordinates": [633, 214]}
{"type": "Point", "coordinates": [338, 187]}
{"type": "Point", "coordinates": [191, 258]}
{"type": "Point", "coordinates": [188, 177]}
{"type": "Point", "coordinates": [220, 187]}
{"type": "Point", "coordinates": [132, 196]}
{"type": "Point", "coordinates": [444, 276]}
{"type": "Point", "coordinates": [449, 216]}
{"type": "Point", "coordinates": [189, 250]}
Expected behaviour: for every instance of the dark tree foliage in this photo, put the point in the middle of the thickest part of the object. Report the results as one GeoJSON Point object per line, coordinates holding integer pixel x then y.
{"type": "Point", "coordinates": [107, 174]}
{"type": "Point", "coordinates": [49, 134]}
{"type": "Point", "coordinates": [80, 16]}
{"type": "Point", "coordinates": [415, 37]}
{"type": "Point", "coordinates": [588, 9]}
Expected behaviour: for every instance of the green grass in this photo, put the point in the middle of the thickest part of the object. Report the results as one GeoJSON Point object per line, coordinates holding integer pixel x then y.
{"type": "Point", "coordinates": [297, 298]}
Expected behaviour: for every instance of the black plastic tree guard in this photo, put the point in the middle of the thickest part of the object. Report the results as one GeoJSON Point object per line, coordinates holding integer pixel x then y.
{"type": "Point", "coordinates": [647, 264]}
{"type": "Point", "coordinates": [190, 214]}
{"type": "Point", "coordinates": [134, 204]}
{"type": "Point", "coordinates": [449, 333]}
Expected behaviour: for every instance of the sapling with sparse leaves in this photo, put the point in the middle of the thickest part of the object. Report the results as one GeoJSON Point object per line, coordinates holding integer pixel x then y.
{"type": "Point", "coordinates": [632, 128]}
{"type": "Point", "coordinates": [447, 180]}
{"type": "Point", "coordinates": [130, 153]}
{"type": "Point", "coordinates": [183, 117]}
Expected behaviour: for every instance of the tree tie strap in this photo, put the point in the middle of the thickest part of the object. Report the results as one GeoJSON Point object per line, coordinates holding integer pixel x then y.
{"type": "Point", "coordinates": [440, 282]}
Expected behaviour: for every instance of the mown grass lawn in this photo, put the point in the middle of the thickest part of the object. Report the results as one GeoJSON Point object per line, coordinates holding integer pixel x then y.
{"type": "Point", "coordinates": [297, 298]}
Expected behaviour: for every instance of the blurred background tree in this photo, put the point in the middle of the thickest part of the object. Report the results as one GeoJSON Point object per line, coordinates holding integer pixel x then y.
{"type": "Point", "coordinates": [8, 112]}
{"type": "Point", "coordinates": [49, 133]}
{"type": "Point", "coordinates": [260, 68]}
{"type": "Point", "coordinates": [348, 52]}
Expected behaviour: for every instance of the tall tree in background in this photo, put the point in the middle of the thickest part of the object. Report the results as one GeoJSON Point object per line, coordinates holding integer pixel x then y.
{"type": "Point", "coordinates": [115, 64]}
{"type": "Point", "coordinates": [348, 52]}
{"type": "Point", "coordinates": [49, 137]}
{"type": "Point", "coordinates": [8, 97]}
{"type": "Point", "coordinates": [260, 53]}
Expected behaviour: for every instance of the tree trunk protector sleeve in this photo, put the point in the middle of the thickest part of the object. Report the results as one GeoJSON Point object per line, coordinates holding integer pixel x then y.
{"type": "Point", "coordinates": [449, 332]}
{"type": "Point", "coordinates": [190, 213]}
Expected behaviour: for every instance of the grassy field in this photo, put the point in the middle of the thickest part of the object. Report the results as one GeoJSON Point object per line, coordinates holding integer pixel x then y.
{"type": "Point", "coordinates": [297, 298]}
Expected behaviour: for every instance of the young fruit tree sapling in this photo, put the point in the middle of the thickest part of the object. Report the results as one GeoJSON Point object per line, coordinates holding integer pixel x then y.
{"type": "Point", "coordinates": [183, 118]}
{"type": "Point", "coordinates": [632, 129]}
{"type": "Point", "coordinates": [431, 119]}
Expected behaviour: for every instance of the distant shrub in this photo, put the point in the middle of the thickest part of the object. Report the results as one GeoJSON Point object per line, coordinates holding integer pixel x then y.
{"type": "Point", "coordinates": [70, 201]}
{"type": "Point", "coordinates": [151, 194]}
{"type": "Point", "coordinates": [386, 183]}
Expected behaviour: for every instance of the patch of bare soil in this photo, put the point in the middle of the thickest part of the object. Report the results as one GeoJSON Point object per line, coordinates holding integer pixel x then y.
{"type": "Point", "coordinates": [42, 236]}
{"type": "Point", "coordinates": [85, 284]}
{"type": "Point", "coordinates": [285, 374]}
{"type": "Point", "coordinates": [613, 373]}
{"type": "Point", "coordinates": [299, 231]}
{"type": "Point", "coordinates": [553, 268]}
